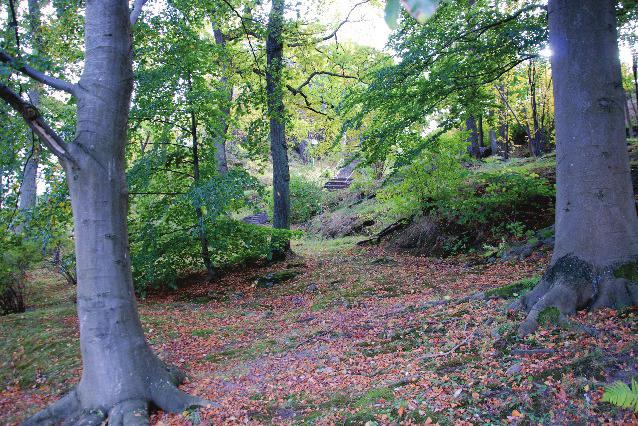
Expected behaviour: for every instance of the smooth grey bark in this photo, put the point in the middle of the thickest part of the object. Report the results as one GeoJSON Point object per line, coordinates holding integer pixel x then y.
{"type": "Point", "coordinates": [28, 187]}
{"type": "Point", "coordinates": [493, 142]}
{"type": "Point", "coordinates": [276, 114]}
{"type": "Point", "coordinates": [596, 224]}
{"type": "Point", "coordinates": [120, 374]}
{"type": "Point", "coordinates": [474, 148]}
{"type": "Point", "coordinates": [220, 139]}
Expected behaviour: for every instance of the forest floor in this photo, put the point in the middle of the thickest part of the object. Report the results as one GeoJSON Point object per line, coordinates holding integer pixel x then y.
{"type": "Point", "coordinates": [351, 340]}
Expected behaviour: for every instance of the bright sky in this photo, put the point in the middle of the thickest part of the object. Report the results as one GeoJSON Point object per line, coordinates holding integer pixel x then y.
{"type": "Point", "coordinates": [368, 25]}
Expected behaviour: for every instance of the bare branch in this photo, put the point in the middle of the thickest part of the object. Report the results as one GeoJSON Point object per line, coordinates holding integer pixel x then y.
{"type": "Point", "coordinates": [316, 73]}
{"type": "Point", "coordinates": [34, 120]}
{"type": "Point", "coordinates": [336, 30]}
{"type": "Point", "coordinates": [138, 5]}
{"type": "Point", "coordinates": [56, 83]}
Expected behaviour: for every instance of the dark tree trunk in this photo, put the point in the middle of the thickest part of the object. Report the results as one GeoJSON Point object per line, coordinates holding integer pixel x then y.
{"type": "Point", "coordinates": [481, 134]}
{"type": "Point", "coordinates": [634, 67]}
{"type": "Point", "coordinates": [220, 139]}
{"type": "Point", "coordinates": [538, 134]}
{"type": "Point", "coordinates": [199, 212]}
{"type": "Point", "coordinates": [474, 149]}
{"type": "Point", "coordinates": [593, 264]}
{"type": "Point", "coordinates": [120, 373]}
{"type": "Point", "coordinates": [276, 114]}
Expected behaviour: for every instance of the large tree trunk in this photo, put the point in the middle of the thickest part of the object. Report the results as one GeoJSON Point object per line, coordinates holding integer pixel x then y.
{"type": "Point", "coordinates": [474, 148]}
{"type": "Point", "coordinates": [120, 374]}
{"type": "Point", "coordinates": [276, 113]}
{"type": "Point", "coordinates": [596, 225]}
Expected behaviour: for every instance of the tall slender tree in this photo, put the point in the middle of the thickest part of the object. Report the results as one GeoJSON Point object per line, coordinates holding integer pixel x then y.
{"type": "Point", "coordinates": [276, 116]}
{"type": "Point", "coordinates": [121, 375]}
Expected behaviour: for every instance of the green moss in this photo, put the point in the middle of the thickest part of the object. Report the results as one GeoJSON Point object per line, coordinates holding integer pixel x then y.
{"type": "Point", "coordinates": [514, 289]}
{"type": "Point", "coordinates": [628, 271]}
{"type": "Point", "coordinates": [202, 333]}
{"type": "Point", "coordinates": [549, 316]}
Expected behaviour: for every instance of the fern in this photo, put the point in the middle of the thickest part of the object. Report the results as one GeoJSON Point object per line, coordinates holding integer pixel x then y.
{"type": "Point", "coordinates": [622, 395]}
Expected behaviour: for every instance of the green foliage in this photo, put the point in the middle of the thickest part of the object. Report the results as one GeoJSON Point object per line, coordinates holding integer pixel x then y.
{"type": "Point", "coordinates": [16, 255]}
{"type": "Point", "coordinates": [621, 395]}
{"type": "Point", "coordinates": [501, 196]}
{"type": "Point", "coordinates": [431, 179]}
{"type": "Point", "coordinates": [165, 232]}
{"type": "Point", "coordinates": [305, 199]}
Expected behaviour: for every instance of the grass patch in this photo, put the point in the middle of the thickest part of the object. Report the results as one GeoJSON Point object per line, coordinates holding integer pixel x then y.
{"type": "Point", "coordinates": [202, 333]}
{"type": "Point", "coordinates": [39, 348]}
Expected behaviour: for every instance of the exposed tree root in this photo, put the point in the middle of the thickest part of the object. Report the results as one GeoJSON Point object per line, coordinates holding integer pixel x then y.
{"type": "Point", "coordinates": [571, 284]}
{"type": "Point", "coordinates": [162, 392]}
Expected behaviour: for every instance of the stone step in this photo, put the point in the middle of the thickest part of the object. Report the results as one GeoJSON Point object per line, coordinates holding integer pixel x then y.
{"type": "Point", "coordinates": [256, 219]}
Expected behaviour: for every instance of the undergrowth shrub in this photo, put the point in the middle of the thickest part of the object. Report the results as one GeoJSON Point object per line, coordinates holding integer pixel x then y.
{"type": "Point", "coordinates": [305, 199]}
{"type": "Point", "coordinates": [164, 232]}
{"type": "Point", "coordinates": [461, 209]}
{"type": "Point", "coordinates": [16, 255]}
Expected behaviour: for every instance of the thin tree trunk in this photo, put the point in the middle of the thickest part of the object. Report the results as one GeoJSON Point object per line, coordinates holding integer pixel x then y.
{"type": "Point", "coordinates": [220, 139]}
{"type": "Point", "coordinates": [630, 130]}
{"type": "Point", "coordinates": [634, 67]}
{"type": "Point", "coordinates": [199, 212]}
{"type": "Point", "coordinates": [276, 114]}
{"type": "Point", "coordinates": [28, 188]}
{"type": "Point", "coordinates": [594, 259]}
{"type": "Point", "coordinates": [537, 136]}
{"type": "Point", "coordinates": [481, 134]}
{"type": "Point", "coordinates": [120, 373]}
{"type": "Point", "coordinates": [493, 142]}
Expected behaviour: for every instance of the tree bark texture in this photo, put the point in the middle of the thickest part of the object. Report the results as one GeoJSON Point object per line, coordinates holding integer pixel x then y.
{"type": "Point", "coordinates": [120, 374]}
{"type": "Point", "coordinates": [474, 148]}
{"type": "Point", "coordinates": [276, 114]}
{"type": "Point", "coordinates": [596, 246]}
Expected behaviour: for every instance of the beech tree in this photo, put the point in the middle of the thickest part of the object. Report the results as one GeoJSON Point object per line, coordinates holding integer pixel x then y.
{"type": "Point", "coordinates": [121, 375]}
{"type": "Point", "coordinates": [594, 260]}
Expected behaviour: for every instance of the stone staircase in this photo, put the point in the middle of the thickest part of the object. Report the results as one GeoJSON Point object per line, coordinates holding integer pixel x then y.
{"type": "Point", "coordinates": [256, 219]}
{"type": "Point", "coordinates": [343, 178]}
{"type": "Point", "coordinates": [336, 184]}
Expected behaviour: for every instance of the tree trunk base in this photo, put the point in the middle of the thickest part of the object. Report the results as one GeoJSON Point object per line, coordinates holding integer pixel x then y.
{"type": "Point", "coordinates": [162, 392]}
{"type": "Point", "coordinates": [572, 284]}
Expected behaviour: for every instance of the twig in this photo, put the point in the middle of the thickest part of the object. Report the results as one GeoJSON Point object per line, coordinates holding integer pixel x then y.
{"type": "Point", "coordinates": [464, 342]}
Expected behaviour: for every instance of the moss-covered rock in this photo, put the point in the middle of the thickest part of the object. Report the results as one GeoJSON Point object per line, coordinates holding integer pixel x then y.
{"type": "Point", "coordinates": [273, 278]}
{"type": "Point", "coordinates": [514, 289]}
